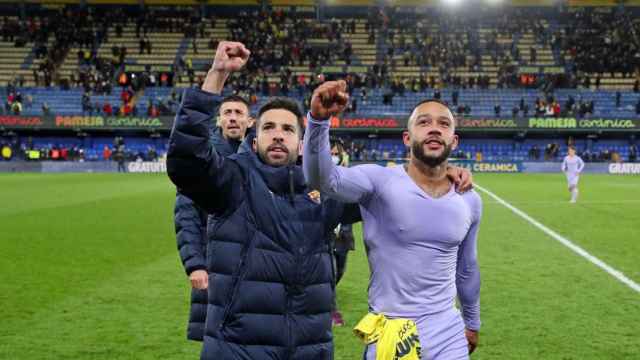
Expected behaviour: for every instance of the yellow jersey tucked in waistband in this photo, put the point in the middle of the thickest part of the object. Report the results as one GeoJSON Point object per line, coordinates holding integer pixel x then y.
{"type": "Point", "coordinates": [397, 339]}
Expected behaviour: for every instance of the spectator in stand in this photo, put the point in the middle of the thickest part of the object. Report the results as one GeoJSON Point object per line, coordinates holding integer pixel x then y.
{"type": "Point", "coordinates": [86, 103]}
{"type": "Point", "coordinates": [152, 155]}
{"type": "Point", "coordinates": [107, 109]}
{"type": "Point", "coordinates": [16, 107]}
{"type": "Point", "coordinates": [106, 153]}
{"type": "Point", "coordinates": [556, 109]}
{"type": "Point", "coordinates": [126, 109]}
{"type": "Point", "coordinates": [46, 110]}
{"type": "Point", "coordinates": [64, 153]}
{"type": "Point", "coordinates": [119, 157]}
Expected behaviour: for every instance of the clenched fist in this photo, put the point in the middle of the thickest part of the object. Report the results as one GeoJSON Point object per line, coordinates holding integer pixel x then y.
{"type": "Point", "coordinates": [329, 99]}
{"type": "Point", "coordinates": [230, 56]}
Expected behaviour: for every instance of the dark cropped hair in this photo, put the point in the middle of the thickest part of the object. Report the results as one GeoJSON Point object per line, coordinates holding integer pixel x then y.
{"type": "Point", "coordinates": [284, 104]}
{"type": "Point", "coordinates": [236, 98]}
{"type": "Point", "coordinates": [438, 101]}
{"type": "Point", "coordinates": [431, 100]}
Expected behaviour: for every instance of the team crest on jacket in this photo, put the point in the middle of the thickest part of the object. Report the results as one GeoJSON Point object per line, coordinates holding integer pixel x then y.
{"type": "Point", "coordinates": [314, 196]}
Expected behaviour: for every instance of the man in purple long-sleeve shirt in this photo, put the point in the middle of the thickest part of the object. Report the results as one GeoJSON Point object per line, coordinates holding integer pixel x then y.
{"type": "Point", "coordinates": [420, 234]}
{"type": "Point", "coordinates": [572, 166]}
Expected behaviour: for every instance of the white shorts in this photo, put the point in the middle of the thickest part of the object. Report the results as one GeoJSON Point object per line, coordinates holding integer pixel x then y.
{"type": "Point", "coordinates": [443, 340]}
{"type": "Point", "coordinates": [572, 179]}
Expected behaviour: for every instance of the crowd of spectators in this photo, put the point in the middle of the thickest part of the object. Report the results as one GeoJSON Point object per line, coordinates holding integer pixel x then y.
{"type": "Point", "coordinates": [451, 43]}
{"type": "Point", "coordinates": [602, 42]}
{"type": "Point", "coordinates": [15, 101]}
{"type": "Point", "coordinates": [25, 149]}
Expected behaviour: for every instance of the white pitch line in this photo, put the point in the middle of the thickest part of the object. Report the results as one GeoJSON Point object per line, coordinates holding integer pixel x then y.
{"type": "Point", "coordinates": [563, 202]}
{"type": "Point", "coordinates": [566, 242]}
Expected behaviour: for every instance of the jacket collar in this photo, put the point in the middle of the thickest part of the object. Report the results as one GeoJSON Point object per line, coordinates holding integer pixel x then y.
{"type": "Point", "coordinates": [222, 145]}
{"type": "Point", "coordinates": [281, 180]}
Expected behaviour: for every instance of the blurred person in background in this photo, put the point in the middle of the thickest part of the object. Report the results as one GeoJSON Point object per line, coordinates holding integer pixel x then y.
{"type": "Point", "coordinates": [572, 166]}
{"type": "Point", "coordinates": [343, 239]}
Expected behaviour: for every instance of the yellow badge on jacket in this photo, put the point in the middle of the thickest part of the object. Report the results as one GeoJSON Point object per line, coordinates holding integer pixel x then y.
{"type": "Point", "coordinates": [397, 339]}
{"type": "Point", "coordinates": [314, 196]}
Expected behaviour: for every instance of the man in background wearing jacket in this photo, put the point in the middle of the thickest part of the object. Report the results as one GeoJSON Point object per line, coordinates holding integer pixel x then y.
{"type": "Point", "coordinates": [191, 221]}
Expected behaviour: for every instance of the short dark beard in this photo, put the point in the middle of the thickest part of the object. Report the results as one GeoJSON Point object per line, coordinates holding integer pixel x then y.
{"type": "Point", "coordinates": [417, 149]}
{"type": "Point", "coordinates": [262, 154]}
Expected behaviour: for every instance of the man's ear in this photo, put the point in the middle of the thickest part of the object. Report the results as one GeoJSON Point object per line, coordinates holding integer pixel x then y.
{"type": "Point", "coordinates": [406, 138]}
{"type": "Point", "coordinates": [254, 144]}
{"type": "Point", "coordinates": [455, 142]}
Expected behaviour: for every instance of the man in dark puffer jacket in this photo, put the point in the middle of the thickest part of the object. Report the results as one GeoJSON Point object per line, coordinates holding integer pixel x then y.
{"type": "Point", "coordinates": [191, 221]}
{"type": "Point", "coordinates": [271, 282]}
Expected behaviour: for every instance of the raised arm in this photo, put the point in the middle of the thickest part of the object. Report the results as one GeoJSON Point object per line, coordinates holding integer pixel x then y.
{"type": "Point", "coordinates": [349, 185]}
{"type": "Point", "coordinates": [468, 275]}
{"type": "Point", "coordinates": [192, 162]}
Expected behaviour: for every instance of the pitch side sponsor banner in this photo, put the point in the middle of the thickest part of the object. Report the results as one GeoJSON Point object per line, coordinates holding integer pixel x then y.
{"type": "Point", "coordinates": [489, 123]}
{"type": "Point", "coordinates": [147, 167]}
{"type": "Point", "coordinates": [624, 168]}
{"type": "Point", "coordinates": [112, 122]}
{"type": "Point", "coordinates": [369, 123]}
{"type": "Point", "coordinates": [573, 123]}
{"type": "Point", "coordinates": [491, 166]}
{"type": "Point", "coordinates": [21, 121]}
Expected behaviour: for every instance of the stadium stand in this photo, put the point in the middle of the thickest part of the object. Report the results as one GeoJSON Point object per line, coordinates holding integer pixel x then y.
{"type": "Point", "coordinates": [487, 63]}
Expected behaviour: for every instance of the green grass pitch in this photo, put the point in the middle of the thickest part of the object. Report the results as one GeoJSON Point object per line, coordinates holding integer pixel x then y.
{"type": "Point", "coordinates": [89, 270]}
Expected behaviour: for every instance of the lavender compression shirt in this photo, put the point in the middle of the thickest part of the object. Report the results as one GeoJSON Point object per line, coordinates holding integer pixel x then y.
{"type": "Point", "coordinates": [422, 251]}
{"type": "Point", "coordinates": [572, 164]}
{"type": "Point", "coordinates": [572, 167]}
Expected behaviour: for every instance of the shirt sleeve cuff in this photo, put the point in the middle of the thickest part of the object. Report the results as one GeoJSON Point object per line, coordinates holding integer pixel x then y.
{"type": "Point", "coordinates": [312, 120]}
{"type": "Point", "coordinates": [472, 324]}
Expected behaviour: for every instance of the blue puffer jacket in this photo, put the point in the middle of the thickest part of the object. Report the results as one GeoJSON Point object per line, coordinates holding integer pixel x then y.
{"type": "Point", "coordinates": [270, 296]}
{"type": "Point", "coordinates": [191, 235]}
